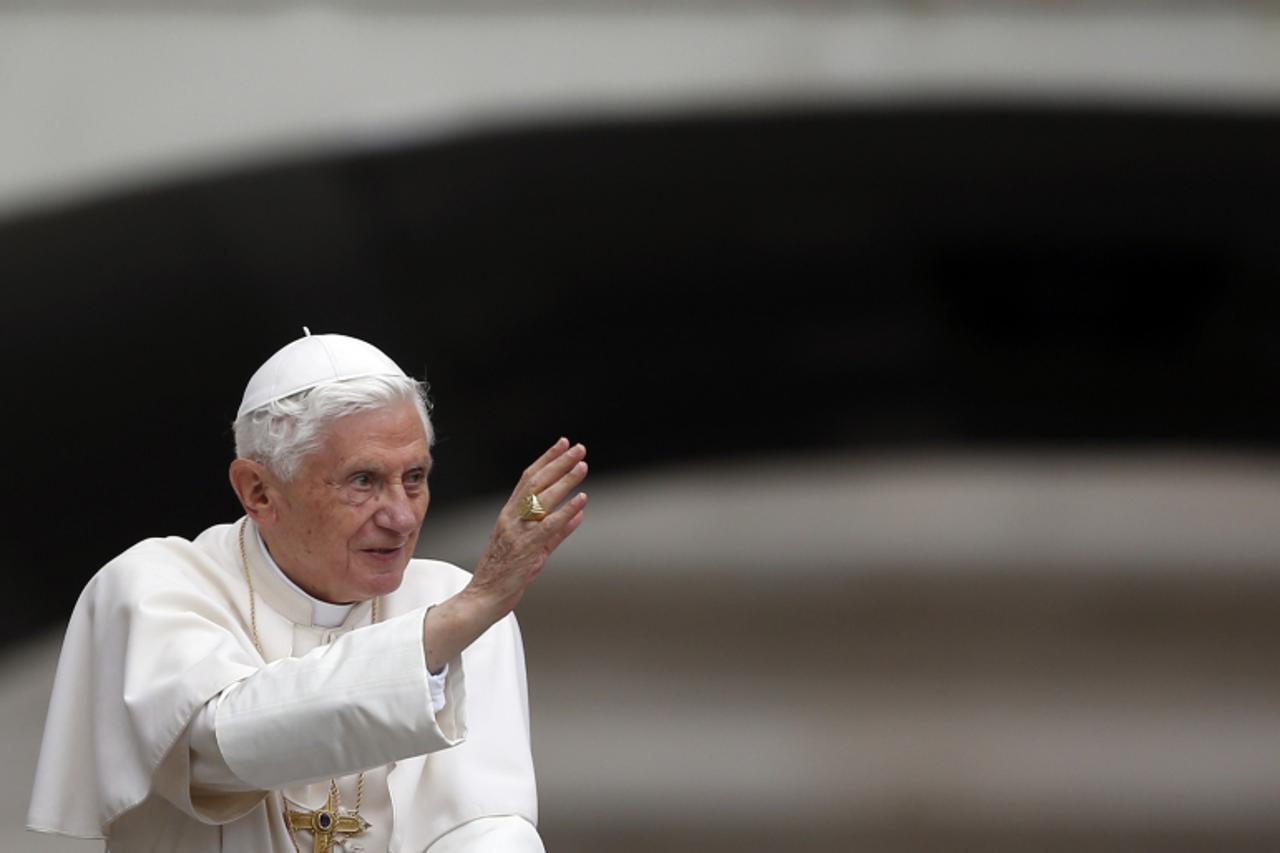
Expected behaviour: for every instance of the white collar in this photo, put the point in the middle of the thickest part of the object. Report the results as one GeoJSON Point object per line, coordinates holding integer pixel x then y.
{"type": "Point", "coordinates": [323, 614]}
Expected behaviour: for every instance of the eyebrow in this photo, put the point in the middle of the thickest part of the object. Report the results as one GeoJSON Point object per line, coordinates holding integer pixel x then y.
{"type": "Point", "coordinates": [358, 465]}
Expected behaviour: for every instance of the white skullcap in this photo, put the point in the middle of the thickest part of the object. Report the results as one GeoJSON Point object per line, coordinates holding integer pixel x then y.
{"type": "Point", "coordinates": [314, 360]}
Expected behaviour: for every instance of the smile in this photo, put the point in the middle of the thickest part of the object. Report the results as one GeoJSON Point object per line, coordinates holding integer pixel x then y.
{"type": "Point", "coordinates": [382, 553]}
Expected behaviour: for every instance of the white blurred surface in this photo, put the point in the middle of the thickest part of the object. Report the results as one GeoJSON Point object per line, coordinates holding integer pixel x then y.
{"type": "Point", "coordinates": [1163, 511]}
{"type": "Point", "coordinates": [97, 101]}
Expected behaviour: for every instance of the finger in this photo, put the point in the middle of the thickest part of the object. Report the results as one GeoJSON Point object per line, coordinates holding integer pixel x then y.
{"type": "Point", "coordinates": [561, 445]}
{"type": "Point", "coordinates": [522, 485]}
{"type": "Point", "coordinates": [557, 520]}
{"type": "Point", "coordinates": [553, 453]}
{"type": "Point", "coordinates": [563, 533]}
{"type": "Point", "coordinates": [553, 494]}
{"type": "Point", "coordinates": [568, 529]}
{"type": "Point", "coordinates": [554, 470]}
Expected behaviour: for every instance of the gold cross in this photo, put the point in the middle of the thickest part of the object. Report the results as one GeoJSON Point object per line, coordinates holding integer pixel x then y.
{"type": "Point", "coordinates": [325, 823]}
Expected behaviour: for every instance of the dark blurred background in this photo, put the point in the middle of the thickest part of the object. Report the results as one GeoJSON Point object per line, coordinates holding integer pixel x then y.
{"type": "Point", "coordinates": [702, 239]}
{"type": "Point", "coordinates": [665, 289]}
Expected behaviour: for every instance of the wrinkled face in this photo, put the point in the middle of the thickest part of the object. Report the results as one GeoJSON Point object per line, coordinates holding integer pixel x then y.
{"type": "Point", "coordinates": [346, 525]}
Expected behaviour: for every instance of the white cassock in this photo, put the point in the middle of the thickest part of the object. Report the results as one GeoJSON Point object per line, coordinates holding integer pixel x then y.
{"type": "Point", "coordinates": [167, 730]}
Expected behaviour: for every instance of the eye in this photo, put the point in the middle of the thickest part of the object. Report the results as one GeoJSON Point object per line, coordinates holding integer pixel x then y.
{"type": "Point", "coordinates": [361, 482]}
{"type": "Point", "coordinates": [414, 479]}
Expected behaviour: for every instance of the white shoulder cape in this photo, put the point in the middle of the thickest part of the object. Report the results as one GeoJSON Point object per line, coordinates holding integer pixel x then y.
{"type": "Point", "coordinates": [164, 627]}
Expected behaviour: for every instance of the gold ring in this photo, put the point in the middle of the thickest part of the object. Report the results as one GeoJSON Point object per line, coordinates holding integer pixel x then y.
{"type": "Point", "coordinates": [531, 508]}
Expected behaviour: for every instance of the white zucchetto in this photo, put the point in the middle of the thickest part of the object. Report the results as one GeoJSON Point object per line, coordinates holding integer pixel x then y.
{"type": "Point", "coordinates": [314, 360]}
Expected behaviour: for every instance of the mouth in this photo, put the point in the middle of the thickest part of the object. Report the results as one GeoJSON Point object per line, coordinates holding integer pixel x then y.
{"type": "Point", "coordinates": [383, 554]}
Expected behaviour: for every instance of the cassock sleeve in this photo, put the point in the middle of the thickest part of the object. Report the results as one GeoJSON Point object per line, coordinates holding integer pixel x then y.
{"type": "Point", "coordinates": [361, 702]}
{"type": "Point", "coordinates": [199, 778]}
{"type": "Point", "coordinates": [214, 787]}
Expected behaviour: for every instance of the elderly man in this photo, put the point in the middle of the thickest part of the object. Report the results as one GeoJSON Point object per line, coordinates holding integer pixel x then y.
{"type": "Point", "coordinates": [295, 681]}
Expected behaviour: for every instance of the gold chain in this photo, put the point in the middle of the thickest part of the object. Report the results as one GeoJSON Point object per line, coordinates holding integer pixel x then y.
{"type": "Point", "coordinates": [257, 644]}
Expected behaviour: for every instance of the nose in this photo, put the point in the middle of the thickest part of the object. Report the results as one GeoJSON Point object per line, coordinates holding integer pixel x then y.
{"type": "Point", "coordinates": [396, 512]}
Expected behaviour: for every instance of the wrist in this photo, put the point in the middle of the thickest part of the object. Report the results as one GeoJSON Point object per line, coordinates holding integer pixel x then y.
{"type": "Point", "coordinates": [454, 624]}
{"type": "Point", "coordinates": [482, 605]}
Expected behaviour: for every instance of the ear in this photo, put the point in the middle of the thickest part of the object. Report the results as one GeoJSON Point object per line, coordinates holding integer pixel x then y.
{"type": "Point", "coordinates": [252, 483]}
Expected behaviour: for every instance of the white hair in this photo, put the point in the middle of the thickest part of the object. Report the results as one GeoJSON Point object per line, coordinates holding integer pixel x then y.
{"type": "Point", "coordinates": [281, 433]}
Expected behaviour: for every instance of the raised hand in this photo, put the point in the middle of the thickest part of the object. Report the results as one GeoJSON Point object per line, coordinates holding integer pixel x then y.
{"type": "Point", "coordinates": [519, 546]}
{"type": "Point", "coordinates": [518, 550]}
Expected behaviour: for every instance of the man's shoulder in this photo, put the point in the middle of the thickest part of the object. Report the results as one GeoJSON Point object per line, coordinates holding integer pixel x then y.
{"type": "Point", "coordinates": [166, 562]}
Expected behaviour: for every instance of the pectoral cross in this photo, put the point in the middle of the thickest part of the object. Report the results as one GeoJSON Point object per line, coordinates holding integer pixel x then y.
{"type": "Point", "coordinates": [326, 823]}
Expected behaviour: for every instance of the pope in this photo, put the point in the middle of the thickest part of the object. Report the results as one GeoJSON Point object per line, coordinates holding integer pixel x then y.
{"type": "Point", "coordinates": [296, 680]}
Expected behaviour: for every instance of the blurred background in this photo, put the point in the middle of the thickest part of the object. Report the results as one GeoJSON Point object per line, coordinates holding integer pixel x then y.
{"type": "Point", "coordinates": [925, 353]}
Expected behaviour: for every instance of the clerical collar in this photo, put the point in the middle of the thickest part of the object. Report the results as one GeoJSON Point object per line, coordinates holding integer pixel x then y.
{"type": "Point", "coordinates": [323, 614]}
